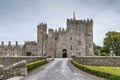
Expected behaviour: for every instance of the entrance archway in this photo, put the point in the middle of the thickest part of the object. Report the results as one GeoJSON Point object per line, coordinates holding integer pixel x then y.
{"type": "Point", "coordinates": [64, 53]}
{"type": "Point", "coordinates": [28, 53]}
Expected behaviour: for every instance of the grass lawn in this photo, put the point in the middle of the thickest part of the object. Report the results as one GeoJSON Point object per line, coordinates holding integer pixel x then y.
{"type": "Point", "coordinates": [111, 70]}
{"type": "Point", "coordinates": [106, 72]}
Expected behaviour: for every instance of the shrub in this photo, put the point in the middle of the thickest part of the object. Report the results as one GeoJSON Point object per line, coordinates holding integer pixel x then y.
{"type": "Point", "coordinates": [35, 64]}
{"type": "Point", "coordinates": [107, 76]}
{"type": "Point", "coordinates": [104, 54]}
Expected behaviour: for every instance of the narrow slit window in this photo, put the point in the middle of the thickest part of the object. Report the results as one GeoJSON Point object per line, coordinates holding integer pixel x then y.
{"type": "Point", "coordinates": [71, 47]}
{"type": "Point", "coordinates": [79, 42]}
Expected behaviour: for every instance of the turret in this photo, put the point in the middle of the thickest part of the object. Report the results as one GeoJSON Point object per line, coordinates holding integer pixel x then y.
{"type": "Point", "coordinates": [42, 26]}
{"type": "Point", "coordinates": [41, 31]}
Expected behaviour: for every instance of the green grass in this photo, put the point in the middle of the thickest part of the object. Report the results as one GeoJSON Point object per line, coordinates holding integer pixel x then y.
{"type": "Point", "coordinates": [108, 73]}
{"type": "Point", "coordinates": [111, 70]}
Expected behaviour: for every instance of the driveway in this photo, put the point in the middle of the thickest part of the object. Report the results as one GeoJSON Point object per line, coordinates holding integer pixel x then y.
{"type": "Point", "coordinates": [59, 69]}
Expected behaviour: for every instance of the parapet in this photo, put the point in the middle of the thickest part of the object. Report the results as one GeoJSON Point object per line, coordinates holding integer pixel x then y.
{"type": "Point", "coordinates": [42, 26]}
{"type": "Point", "coordinates": [78, 22]}
{"type": "Point", "coordinates": [50, 31]}
{"type": "Point", "coordinates": [32, 43]}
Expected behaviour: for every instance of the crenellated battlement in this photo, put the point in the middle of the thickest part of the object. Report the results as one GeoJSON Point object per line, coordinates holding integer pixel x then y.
{"type": "Point", "coordinates": [59, 30]}
{"type": "Point", "coordinates": [31, 43]}
{"type": "Point", "coordinates": [78, 22]}
{"type": "Point", "coordinates": [42, 26]}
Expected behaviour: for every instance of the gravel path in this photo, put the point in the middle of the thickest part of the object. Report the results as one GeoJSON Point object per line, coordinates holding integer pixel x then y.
{"type": "Point", "coordinates": [59, 69]}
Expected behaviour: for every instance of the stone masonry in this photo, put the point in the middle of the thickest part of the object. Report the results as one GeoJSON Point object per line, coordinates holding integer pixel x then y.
{"type": "Point", "coordinates": [98, 60]}
{"type": "Point", "coordinates": [76, 39]}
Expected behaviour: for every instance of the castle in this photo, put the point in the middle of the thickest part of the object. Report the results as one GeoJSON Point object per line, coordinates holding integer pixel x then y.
{"type": "Point", "coordinates": [76, 39]}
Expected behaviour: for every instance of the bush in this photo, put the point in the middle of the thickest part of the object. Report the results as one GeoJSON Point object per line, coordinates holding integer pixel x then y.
{"type": "Point", "coordinates": [104, 75]}
{"type": "Point", "coordinates": [35, 64]}
{"type": "Point", "coordinates": [104, 54]}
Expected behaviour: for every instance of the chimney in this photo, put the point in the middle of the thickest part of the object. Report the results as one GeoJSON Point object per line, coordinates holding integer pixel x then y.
{"type": "Point", "coordinates": [9, 43]}
{"type": "Point", "coordinates": [2, 43]}
{"type": "Point", "coordinates": [16, 43]}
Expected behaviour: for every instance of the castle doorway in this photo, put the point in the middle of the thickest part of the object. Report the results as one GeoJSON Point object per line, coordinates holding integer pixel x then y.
{"type": "Point", "coordinates": [64, 53]}
{"type": "Point", "coordinates": [28, 53]}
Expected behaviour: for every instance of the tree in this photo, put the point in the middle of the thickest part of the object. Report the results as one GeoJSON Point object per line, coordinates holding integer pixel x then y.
{"type": "Point", "coordinates": [102, 49]}
{"type": "Point", "coordinates": [112, 42]}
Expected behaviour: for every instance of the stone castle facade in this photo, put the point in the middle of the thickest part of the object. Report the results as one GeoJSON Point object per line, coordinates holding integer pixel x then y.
{"type": "Point", "coordinates": [76, 39]}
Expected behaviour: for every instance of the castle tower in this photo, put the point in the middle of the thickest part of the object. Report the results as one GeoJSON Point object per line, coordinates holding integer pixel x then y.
{"type": "Point", "coordinates": [89, 37]}
{"type": "Point", "coordinates": [42, 37]}
{"type": "Point", "coordinates": [81, 32]}
{"type": "Point", "coordinates": [41, 31]}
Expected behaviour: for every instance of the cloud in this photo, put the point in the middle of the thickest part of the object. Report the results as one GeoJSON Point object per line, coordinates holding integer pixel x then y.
{"type": "Point", "coordinates": [19, 18]}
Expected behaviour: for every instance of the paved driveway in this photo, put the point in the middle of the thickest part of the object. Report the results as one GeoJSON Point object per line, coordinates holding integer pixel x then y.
{"type": "Point", "coordinates": [59, 69]}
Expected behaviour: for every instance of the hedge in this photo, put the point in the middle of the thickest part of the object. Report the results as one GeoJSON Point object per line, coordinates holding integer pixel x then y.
{"type": "Point", "coordinates": [104, 75]}
{"type": "Point", "coordinates": [35, 64]}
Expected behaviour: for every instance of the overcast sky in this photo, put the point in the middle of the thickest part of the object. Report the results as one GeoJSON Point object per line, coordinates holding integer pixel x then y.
{"type": "Point", "coordinates": [19, 18]}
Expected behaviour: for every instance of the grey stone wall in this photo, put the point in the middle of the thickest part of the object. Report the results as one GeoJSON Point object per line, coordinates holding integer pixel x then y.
{"type": "Point", "coordinates": [16, 69]}
{"type": "Point", "coordinates": [15, 66]}
{"type": "Point", "coordinates": [98, 60]}
{"type": "Point", "coordinates": [6, 61]}
{"type": "Point", "coordinates": [1, 70]}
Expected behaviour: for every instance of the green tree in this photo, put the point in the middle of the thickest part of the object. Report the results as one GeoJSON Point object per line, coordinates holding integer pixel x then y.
{"type": "Point", "coordinates": [103, 50]}
{"type": "Point", "coordinates": [112, 42]}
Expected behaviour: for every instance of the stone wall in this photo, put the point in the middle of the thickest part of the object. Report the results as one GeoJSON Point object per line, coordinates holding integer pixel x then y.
{"type": "Point", "coordinates": [98, 61]}
{"type": "Point", "coordinates": [6, 61]}
{"type": "Point", "coordinates": [15, 66]}
{"type": "Point", "coordinates": [1, 70]}
{"type": "Point", "coordinates": [16, 69]}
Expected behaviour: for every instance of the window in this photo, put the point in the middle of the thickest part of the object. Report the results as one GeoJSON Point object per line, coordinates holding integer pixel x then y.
{"type": "Point", "coordinates": [56, 38]}
{"type": "Point", "coordinates": [71, 47]}
{"type": "Point", "coordinates": [79, 42]}
{"type": "Point", "coordinates": [70, 38]}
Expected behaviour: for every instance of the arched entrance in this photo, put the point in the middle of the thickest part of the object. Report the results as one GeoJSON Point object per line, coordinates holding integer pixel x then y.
{"type": "Point", "coordinates": [28, 53]}
{"type": "Point", "coordinates": [64, 53]}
